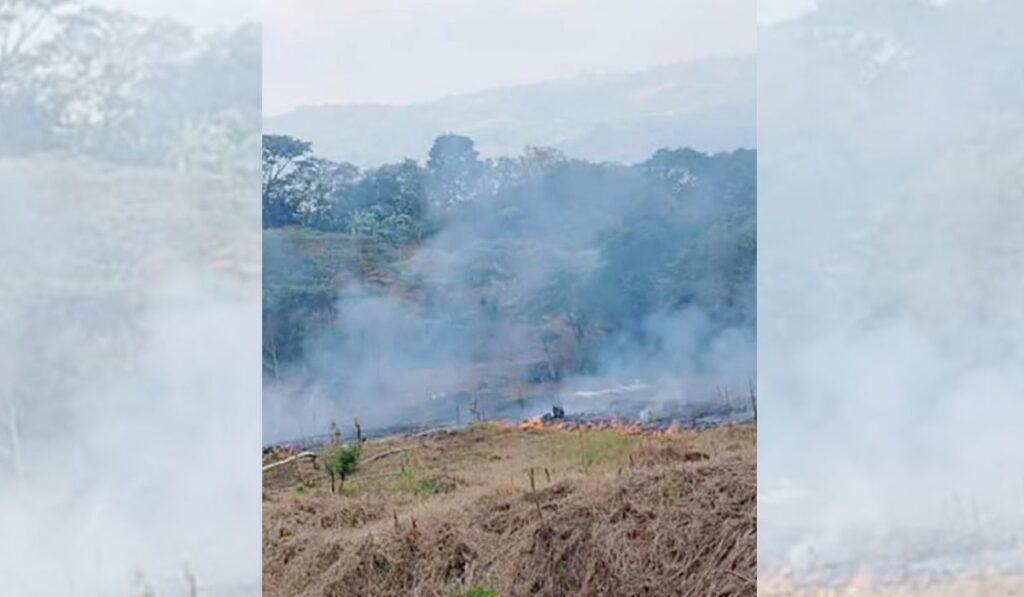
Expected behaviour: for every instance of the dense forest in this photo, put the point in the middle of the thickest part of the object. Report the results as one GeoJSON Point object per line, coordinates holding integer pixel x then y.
{"type": "Point", "coordinates": [524, 270]}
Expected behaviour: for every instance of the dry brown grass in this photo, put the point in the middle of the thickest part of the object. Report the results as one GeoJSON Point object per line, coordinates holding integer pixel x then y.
{"type": "Point", "coordinates": [607, 514]}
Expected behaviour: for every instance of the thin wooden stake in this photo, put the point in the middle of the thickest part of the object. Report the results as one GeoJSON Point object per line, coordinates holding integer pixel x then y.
{"type": "Point", "coordinates": [753, 399]}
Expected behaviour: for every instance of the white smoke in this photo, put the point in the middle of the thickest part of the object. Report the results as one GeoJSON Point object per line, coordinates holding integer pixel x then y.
{"type": "Point", "coordinates": [129, 362]}
{"type": "Point", "coordinates": [891, 262]}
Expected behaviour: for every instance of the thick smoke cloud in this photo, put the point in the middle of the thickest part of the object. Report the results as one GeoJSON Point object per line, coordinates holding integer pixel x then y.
{"type": "Point", "coordinates": [492, 305]}
{"type": "Point", "coordinates": [128, 411]}
{"type": "Point", "coordinates": [891, 262]}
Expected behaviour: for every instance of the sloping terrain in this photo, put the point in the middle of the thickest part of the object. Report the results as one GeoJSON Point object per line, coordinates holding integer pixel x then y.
{"type": "Point", "coordinates": [708, 105]}
{"type": "Point", "coordinates": [521, 511]}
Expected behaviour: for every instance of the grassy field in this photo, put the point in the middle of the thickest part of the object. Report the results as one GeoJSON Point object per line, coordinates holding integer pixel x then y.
{"type": "Point", "coordinates": [497, 509]}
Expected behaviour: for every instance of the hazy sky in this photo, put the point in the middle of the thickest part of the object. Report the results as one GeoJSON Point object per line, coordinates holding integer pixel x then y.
{"type": "Point", "coordinates": [205, 14]}
{"type": "Point", "coordinates": [404, 51]}
{"type": "Point", "coordinates": [770, 12]}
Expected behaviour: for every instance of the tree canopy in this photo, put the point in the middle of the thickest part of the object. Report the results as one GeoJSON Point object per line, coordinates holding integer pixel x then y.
{"type": "Point", "coordinates": [103, 83]}
{"type": "Point", "coordinates": [584, 254]}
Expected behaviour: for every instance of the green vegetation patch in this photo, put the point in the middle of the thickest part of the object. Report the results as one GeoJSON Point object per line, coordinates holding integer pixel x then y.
{"type": "Point", "coordinates": [591, 448]}
{"type": "Point", "coordinates": [477, 591]}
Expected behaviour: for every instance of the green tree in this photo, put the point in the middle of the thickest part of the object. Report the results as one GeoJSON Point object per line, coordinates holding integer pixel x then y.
{"type": "Point", "coordinates": [394, 189]}
{"type": "Point", "coordinates": [281, 154]}
{"type": "Point", "coordinates": [454, 168]}
{"type": "Point", "coordinates": [341, 462]}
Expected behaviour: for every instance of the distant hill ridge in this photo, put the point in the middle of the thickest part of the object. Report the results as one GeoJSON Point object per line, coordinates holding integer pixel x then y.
{"type": "Point", "coordinates": [708, 105]}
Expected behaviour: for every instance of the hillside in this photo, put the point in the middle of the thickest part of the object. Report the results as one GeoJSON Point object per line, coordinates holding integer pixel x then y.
{"type": "Point", "coordinates": [408, 295]}
{"type": "Point", "coordinates": [708, 105]}
{"type": "Point", "coordinates": [510, 510]}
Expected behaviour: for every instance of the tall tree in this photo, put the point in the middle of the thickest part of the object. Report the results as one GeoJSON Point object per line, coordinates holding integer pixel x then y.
{"type": "Point", "coordinates": [281, 154]}
{"type": "Point", "coordinates": [21, 24]}
{"type": "Point", "coordinates": [394, 189]}
{"type": "Point", "coordinates": [454, 168]}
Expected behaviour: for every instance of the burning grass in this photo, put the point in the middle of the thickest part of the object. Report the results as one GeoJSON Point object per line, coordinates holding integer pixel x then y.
{"type": "Point", "coordinates": [536, 511]}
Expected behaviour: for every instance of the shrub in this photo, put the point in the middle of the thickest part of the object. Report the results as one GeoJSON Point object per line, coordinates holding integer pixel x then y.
{"type": "Point", "coordinates": [433, 485]}
{"type": "Point", "coordinates": [340, 462]}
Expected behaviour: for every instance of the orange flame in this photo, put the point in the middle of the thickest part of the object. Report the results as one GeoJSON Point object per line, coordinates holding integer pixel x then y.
{"type": "Point", "coordinates": [534, 423]}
